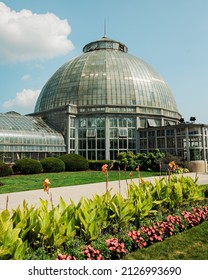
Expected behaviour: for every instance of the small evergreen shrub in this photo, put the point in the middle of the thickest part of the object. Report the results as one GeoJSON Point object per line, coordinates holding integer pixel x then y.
{"type": "Point", "coordinates": [52, 164]}
{"type": "Point", "coordinates": [74, 162]}
{"type": "Point", "coordinates": [27, 166]}
{"type": "Point", "coordinates": [5, 170]}
{"type": "Point", "coordinates": [97, 164]}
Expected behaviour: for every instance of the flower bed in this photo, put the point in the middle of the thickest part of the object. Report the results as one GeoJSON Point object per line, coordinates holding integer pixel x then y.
{"type": "Point", "coordinates": [103, 227]}
{"type": "Point", "coordinates": [145, 236]}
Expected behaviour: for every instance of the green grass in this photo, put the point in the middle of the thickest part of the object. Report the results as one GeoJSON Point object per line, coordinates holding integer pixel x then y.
{"type": "Point", "coordinates": [188, 245]}
{"type": "Point", "coordinates": [17, 183]}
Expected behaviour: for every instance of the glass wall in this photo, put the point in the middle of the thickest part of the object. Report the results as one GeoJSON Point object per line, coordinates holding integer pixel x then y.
{"type": "Point", "coordinates": [122, 135]}
{"type": "Point", "coordinates": [24, 136]}
{"type": "Point", "coordinates": [91, 138]}
{"type": "Point", "coordinates": [188, 141]}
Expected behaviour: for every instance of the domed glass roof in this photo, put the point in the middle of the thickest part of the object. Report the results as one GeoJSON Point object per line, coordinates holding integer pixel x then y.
{"type": "Point", "coordinates": [105, 74]}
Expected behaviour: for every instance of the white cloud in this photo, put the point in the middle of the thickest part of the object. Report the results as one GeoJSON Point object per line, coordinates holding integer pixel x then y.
{"type": "Point", "coordinates": [26, 36]}
{"type": "Point", "coordinates": [24, 101]}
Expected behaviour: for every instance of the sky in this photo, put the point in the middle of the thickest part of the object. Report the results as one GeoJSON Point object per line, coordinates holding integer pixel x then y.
{"type": "Point", "coordinates": [37, 37]}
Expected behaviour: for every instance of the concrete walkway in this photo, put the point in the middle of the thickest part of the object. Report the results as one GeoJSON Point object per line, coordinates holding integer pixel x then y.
{"type": "Point", "coordinates": [75, 192]}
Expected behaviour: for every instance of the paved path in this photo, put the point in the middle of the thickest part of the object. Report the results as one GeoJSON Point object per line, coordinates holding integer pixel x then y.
{"type": "Point", "coordinates": [74, 192]}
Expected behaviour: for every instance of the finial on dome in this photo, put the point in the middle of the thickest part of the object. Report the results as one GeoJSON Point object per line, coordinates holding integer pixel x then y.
{"type": "Point", "coordinates": [105, 28]}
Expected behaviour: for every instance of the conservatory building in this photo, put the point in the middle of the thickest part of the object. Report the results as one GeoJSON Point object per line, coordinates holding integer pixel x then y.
{"type": "Point", "coordinates": [101, 98]}
{"type": "Point", "coordinates": [98, 104]}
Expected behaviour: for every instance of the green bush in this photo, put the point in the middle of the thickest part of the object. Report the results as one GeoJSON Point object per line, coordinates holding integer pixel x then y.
{"type": "Point", "coordinates": [52, 164]}
{"type": "Point", "coordinates": [27, 166]}
{"type": "Point", "coordinates": [97, 164]}
{"type": "Point", "coordinates": [150, 161]}
{"type": "Point", "coordinates": [147, 161]}
{"type": "Point", "coordinates": [127, 160]}
{"type": "Point", "coordinates": [5, 170]}
{"type": "Point", "coordinates": [74, 162]}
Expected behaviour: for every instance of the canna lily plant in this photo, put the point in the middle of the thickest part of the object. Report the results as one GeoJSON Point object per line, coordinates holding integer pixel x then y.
{"type": "Point", "coordinates": [105, 171]}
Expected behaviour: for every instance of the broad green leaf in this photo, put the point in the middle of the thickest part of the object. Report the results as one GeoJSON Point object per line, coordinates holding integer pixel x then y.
{"type": "Point", "coordinates": [62, 205]}
{"type": "Point", "coordinates": [10, 237]}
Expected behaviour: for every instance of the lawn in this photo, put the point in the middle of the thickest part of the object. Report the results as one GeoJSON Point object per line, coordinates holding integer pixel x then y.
{"type": "Point", "coordinates": [17, 183]}
{"type": "Point", "coordinates": [188, 245]}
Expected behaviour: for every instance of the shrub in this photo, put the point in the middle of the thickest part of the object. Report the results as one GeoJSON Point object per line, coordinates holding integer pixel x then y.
{"type": "Point", "coordinates": [27, 166]}
{"type": "Point", "coordinates": [127, 160]}
{"type": "Point", "coordinates": [97, 164]}
{"type": "Point", "coordinates": [147, 161]}
{"type": "Point", "coordinates": [169, 157]}
{"type": "Point", "coordinates": [5, 170]}
{"type": "Point", "coordinates": [52, 164]}
{"type": "Point", "coordinates": [150, 161]}
{"type": "Point", "coordinates": [74, 162]}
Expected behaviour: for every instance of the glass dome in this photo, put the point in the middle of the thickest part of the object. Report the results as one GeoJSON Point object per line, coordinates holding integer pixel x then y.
{"type": "Point", "coordinates": [105, 74]}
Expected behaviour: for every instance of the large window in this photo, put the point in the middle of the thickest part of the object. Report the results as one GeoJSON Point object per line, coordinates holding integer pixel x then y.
{"type": "Point", "coordinates": [91, 133]}
{"type": "Point", "coordinates": [122, 135]}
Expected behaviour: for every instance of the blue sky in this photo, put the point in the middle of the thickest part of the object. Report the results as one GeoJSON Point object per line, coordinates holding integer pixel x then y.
{"type": "Point", "coordinates": [37, 37]}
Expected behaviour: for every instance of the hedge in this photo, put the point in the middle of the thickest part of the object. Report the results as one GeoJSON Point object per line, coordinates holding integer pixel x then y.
{"type": "Point", "coordinates": [5, 170]}
{"type": "Point", "coordinates": [97, 164]}
{"type": "Point", "coordinates": [27, 166]}
{"type": "Point", "coordinates": [52, 164]}
{"type": "Point", "coordinates": [74, 162]}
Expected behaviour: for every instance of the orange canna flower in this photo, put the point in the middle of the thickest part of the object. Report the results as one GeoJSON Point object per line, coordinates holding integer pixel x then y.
{"type": "Point", "coordinates": [104, 168]}
{"type": "Point", "coordinates": [171, 164]}
{"type": "Point", "coordinates": [105, 171]}
{"type": "Point", "coordinates": [46, 184]}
